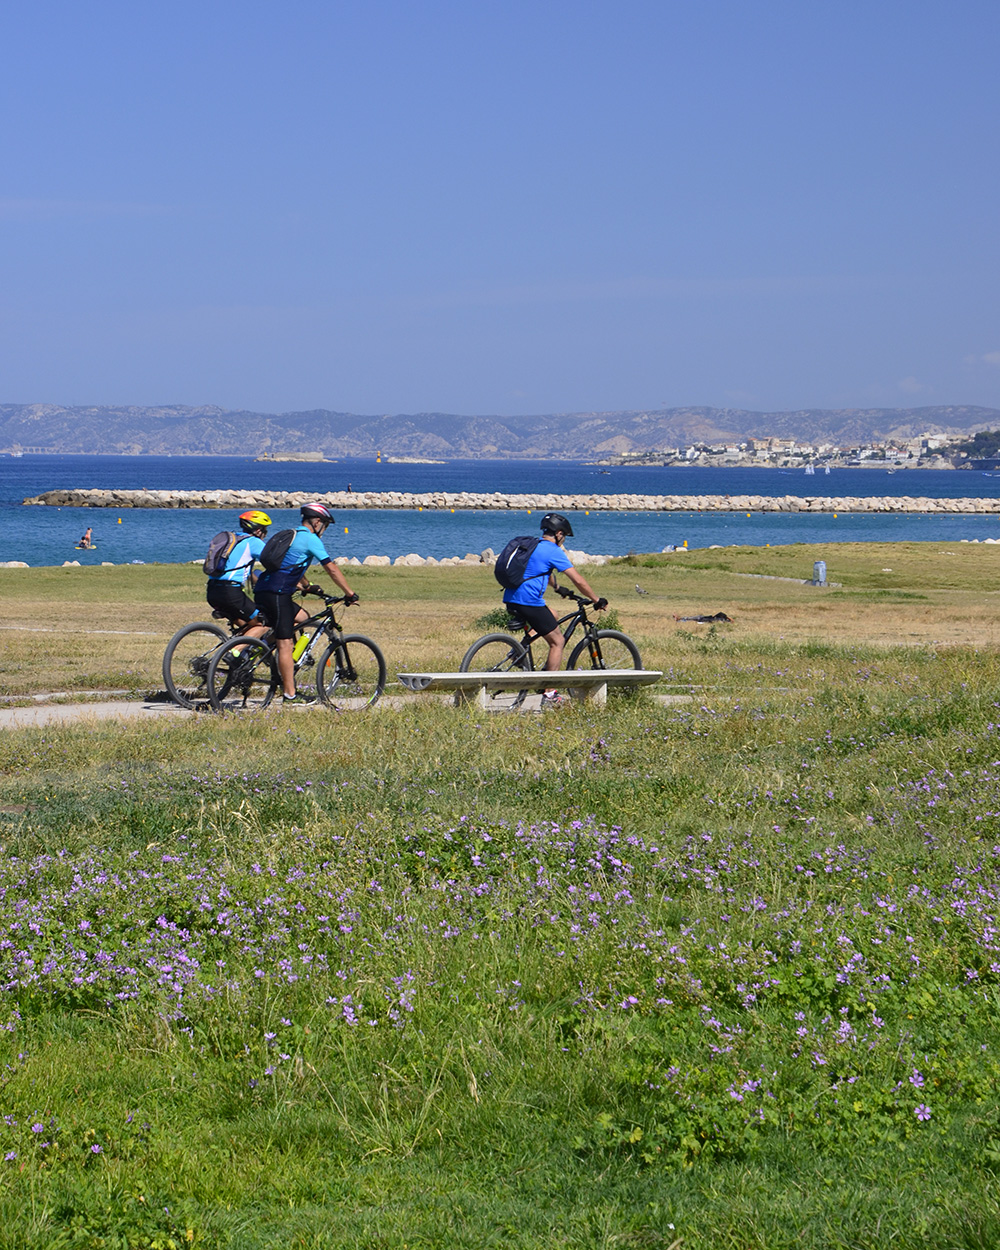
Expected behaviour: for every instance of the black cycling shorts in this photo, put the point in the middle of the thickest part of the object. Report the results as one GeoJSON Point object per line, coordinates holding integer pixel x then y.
{"type": "Point", "coordinates": [279, 611]}
{"type": "Point", "coordinates": [541, 619]}
{"type": "Point", "coordinates": [231, 600]}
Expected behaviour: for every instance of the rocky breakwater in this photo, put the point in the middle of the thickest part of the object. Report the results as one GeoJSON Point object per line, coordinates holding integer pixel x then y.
{"type": "Point", "coordinates": [497, 502]}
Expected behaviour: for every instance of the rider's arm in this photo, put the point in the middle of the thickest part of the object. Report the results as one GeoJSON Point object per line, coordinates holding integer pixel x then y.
{"type": "Point", "coordinates": [337, 576]}
{"type": "Point", "coordinates": [580, 582]}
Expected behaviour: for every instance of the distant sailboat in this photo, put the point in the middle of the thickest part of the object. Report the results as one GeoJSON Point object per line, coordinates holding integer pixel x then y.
{"type": "Point", "coordinates": [826, 468]}
{"type": "Point", "coordinates": [810, 470]}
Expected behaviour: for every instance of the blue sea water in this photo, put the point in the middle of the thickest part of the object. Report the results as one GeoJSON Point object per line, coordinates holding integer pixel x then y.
{"type": "Point", "coordinates": [46, 536]}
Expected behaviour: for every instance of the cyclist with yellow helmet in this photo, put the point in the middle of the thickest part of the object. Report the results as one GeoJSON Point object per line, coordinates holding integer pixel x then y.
{"type": "Point", "coordinates": [225, 591]}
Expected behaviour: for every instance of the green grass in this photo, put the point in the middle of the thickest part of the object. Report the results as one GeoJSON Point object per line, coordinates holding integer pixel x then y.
{"type": "Point", "coordinates": [588, 942]}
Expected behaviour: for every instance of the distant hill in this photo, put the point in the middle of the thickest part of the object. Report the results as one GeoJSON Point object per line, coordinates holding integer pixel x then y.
{"type": "Point", "coordinates": [178, 430]}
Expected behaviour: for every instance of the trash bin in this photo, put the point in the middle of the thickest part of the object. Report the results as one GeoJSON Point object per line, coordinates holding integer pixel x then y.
{"type": "Point", "coordinates": [819, 573]}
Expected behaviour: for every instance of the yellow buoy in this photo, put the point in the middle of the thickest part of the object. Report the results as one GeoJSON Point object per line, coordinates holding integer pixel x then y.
{"type": "Point", "coordinates": [119, 520]}
{"type": "Point", "coordinates": [345, 529]}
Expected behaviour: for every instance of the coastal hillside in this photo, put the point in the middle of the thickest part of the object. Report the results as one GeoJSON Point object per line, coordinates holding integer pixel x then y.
{"type": "Point", "coordinates": [179, 430]}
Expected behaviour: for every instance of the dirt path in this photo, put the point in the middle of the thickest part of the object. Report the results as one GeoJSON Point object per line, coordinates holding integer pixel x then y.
{"type": "Point", "coordinates": [79, 713]}
{"type": "Point", "coordinates": [75, 713]}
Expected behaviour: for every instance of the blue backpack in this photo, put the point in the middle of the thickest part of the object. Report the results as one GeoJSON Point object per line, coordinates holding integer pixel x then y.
{"type": "Point", "coordinates": [513, 560]}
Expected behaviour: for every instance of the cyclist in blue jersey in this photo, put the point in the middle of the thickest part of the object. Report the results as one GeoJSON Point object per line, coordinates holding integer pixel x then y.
{"type": "Point", "coordinates": [527, 602]}
{"type": "Point", "coordinates": [225, 591]}
{"type": "Point", "coordinates": [275, 588]}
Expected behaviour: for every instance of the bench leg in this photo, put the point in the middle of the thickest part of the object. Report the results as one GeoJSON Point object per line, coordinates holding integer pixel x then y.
{"type": "Point", "coordinates": [475, 695]}
{"type": "Point", "coordinates": [597, 694]}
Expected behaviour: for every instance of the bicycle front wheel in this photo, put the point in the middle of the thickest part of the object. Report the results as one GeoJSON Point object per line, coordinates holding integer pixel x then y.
{"type": "Point", "coordinates": [243, 675]}
{"type": "Point", "coordinates": [351, 674]}
{"type": "Point", "coordinates": [605, 649]}
{"type": "Point", "coordinates": [498, 653]}
{"type": "Point", "coordinates": [186, 660]}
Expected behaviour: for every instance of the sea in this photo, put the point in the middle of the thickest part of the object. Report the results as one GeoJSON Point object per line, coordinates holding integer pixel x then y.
{"type": "Point", "coordinates": [48, 536]}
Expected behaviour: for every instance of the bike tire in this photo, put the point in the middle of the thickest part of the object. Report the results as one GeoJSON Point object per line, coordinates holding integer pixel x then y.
{"type": "Point", "coordinates": [613, 650]}
{"type": "Point", "coordinates": [186, 660]}
{"type": "Point", "coordinates": [243, 675]}
{"type": "Point", "coordinates": [351, 674]}
{"type": "Point", "coordinates": [498, 653]}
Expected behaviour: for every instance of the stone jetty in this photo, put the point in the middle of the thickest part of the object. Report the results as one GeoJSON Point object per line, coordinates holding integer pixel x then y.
{"type": "Point", "coordinates": [497, 502]}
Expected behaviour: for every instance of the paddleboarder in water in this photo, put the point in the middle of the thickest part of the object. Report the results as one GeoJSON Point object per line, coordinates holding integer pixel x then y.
{"type": "Point", "coordinates": [87, 541]}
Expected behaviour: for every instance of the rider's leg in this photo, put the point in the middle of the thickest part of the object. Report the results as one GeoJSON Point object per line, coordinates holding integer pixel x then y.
{"type": "Point", "coordinates": [286, 666]}
{"type": "Point", "coordinates": [556, 643]}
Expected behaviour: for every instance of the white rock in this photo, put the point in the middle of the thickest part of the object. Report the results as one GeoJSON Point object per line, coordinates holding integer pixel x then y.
{"type": "Point", "coordinates": [376, 561]}
{"type": "Point", "coordinates": [13, 564]}
{"type": "Point", "coordinates": [69, 564]}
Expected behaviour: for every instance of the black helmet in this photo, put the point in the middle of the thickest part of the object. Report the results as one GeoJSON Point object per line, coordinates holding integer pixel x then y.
{"type": "Point", "coordinates": [553, 521]}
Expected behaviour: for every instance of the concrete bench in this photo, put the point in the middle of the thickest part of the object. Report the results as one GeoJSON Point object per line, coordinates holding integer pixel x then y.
{"type": "Point", "coordinates": [590, 684]}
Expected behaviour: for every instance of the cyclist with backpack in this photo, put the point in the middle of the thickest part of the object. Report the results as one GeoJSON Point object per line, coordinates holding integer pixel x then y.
{"type": "Point", "coordinates": [290, 554]}
{"type": "Point", "coordinates": [229, 565]}
{"type": "Point", "coordinates": [526, 568]}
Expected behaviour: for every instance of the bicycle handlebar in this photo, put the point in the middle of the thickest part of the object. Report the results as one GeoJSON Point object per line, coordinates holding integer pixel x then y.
{"type": "Point", "coordinates": [598, 604]}
{"type": "Point", "coordinates": [330, 600]}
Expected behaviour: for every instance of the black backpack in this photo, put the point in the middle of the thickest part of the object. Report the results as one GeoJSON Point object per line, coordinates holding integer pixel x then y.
{"type": "Point", "coordinates": [513, 560]}
{"type": "Point", "coordinates": [219, 551]}
{"type": "Point", "coordinates": [274, 550]}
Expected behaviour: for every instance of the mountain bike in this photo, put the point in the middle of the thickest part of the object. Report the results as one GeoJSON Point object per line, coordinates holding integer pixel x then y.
{"type": "Point", "coordinates": [186, 659]}
{"type": "Point", "coordinates": [503, 653]}
{"type": "Point", "coordinates": [350, 672]}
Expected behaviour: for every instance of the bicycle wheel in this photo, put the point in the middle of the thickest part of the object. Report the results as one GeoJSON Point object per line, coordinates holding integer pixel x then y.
{"type": "Point", "coordinates": [609, 649]}
{"type": "Point", "coordinates": [351, 674]}
{"type": "Point", "coordinates": [498, 653]}
{"type": "Point", "coordinates": [186, 659]}
{"type": "Point", "coordinates": [242, 675]}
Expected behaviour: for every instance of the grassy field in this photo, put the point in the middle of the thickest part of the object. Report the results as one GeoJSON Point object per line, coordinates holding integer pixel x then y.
{"type": "Point", "coordinates": [718, 974]}
{"type": "Point", "coordinates": [904, 593]}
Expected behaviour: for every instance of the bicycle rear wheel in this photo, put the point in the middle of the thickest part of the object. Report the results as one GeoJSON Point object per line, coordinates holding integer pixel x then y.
{"type": "Point", "coordinates": [186, 660]}
{"type": "Point", "coordinates": [351, 674]}
{"type": "Point", "coordinates": [606, 649]}
{"type": "Point", "coordinates": [243, 676]}
{"type": "Point", "coordinates": [498, 653]}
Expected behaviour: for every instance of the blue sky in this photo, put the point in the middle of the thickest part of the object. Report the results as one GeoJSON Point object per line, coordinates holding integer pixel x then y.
{"type": "Point", "coordinates": [500, 207]}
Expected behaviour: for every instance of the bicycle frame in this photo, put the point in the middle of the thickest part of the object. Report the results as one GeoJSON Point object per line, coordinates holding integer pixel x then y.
{"type": "Point", "coordinates": [326, 626]}
{"type": "Point", "coordinates": [577, 617]}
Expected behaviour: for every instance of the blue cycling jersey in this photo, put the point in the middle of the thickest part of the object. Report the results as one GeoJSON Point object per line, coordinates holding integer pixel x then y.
{"type": "Point", "coordinates": [303, 549]}
{"type": "Point", "coordinates": [546, 557]}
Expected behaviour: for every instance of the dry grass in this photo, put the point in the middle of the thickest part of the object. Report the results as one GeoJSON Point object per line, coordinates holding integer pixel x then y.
{"type": "Point", "coordinates": [902, 594]}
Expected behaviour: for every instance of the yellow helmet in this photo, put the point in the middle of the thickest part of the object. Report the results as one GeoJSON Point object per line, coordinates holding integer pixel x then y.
{"type": "Point", "coordinates": [254, 520]}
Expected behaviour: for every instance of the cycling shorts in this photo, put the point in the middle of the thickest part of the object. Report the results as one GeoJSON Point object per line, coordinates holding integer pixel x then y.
{"type": "Point", "coordinates": [279, 611]}
{"type": "Point", "coordinates": [231, 600]}
{"type": "Point", "coordinates": [541, 619]}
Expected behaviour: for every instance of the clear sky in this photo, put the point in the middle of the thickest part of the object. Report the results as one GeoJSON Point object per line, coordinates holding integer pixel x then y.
{"type": "Point", "coordinates": [508, 207]}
